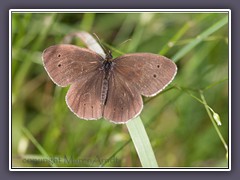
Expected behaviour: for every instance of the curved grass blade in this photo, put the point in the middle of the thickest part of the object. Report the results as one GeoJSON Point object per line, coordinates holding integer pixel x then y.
{"type": "Point", "coordinates": [200, 38]}
{"type": "Point", "coordinates": [141, 142]}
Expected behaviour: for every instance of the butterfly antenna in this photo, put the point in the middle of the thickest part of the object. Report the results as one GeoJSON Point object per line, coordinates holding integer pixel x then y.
{"type": "Point", "coordinates": [125, 42]}
{"type": "Point", "coordinates": [107, 52]}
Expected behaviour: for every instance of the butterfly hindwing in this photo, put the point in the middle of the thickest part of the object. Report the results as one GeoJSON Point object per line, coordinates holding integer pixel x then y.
{"type": "Point", "coordinates": [124, 102]}
{"type": "Point", "coordinates": [84, 97]}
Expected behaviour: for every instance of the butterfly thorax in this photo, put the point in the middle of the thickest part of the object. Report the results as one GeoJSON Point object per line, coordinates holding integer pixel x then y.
{"type": "Point", "coordinates": [107, 65]}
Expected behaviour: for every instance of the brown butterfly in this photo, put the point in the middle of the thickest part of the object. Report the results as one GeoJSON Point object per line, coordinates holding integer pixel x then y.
{"type": "Point", "coordinates": [108, 88]}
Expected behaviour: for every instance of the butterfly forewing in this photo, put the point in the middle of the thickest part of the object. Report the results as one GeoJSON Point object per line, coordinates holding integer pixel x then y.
{"type": "Point", "coordinates": [148, 73]}
{"type": "Point", "coordinates": [124, 102]}
{"type": "Point", "coordinates": [66, 63]}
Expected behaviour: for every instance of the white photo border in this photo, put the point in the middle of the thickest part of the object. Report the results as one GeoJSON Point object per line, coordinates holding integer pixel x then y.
{"type": "Point", "coordinates": [117, 11]}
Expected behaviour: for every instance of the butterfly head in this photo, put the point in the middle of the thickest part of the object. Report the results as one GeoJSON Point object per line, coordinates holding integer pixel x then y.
{"type": "Point", "coordinates": [109, 55]}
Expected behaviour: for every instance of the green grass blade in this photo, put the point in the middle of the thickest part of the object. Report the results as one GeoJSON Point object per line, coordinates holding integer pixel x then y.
{"type": "Point", "coordinates": [115, 153]}
{"type": "Point", "coordinates": [214, 124]}
{"type": "Point", "coordinates": [141, 143]}
{"type": "Point", "coordinates": [19, 78]}
{"type": "Point", "coordinates": [176, 37]}
{"type": "Point", "coordinates": [200, 38]}
{"type": "Point", "coordinates": [87, 22]}
{"type": "Point", "coordinates": [37, 145]}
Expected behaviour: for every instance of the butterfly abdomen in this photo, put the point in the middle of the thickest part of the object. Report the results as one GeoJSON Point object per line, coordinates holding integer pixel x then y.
{"type": "Point", "coordinates": [104, 91]}
{"type": "Point", "coordinates": [107, 68]}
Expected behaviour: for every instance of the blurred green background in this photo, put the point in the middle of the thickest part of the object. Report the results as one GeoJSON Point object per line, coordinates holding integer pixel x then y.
{"type": "Point", "coordinates": [177, 123]}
